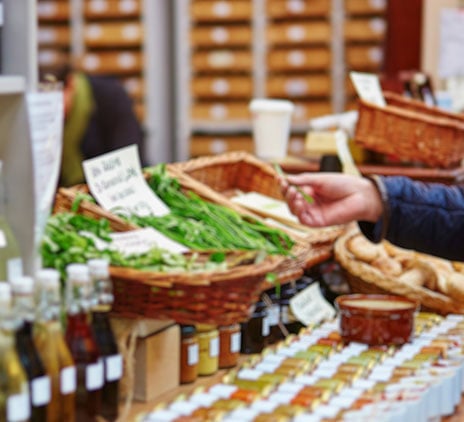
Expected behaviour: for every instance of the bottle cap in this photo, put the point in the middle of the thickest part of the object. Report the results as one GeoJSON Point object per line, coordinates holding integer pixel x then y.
{"type": "Point", "coordinates": [98, 267]}
{"type": "Point", "coordinates": [5, 292]}
{"type": "Point", "coordinates": [22, 285]}
{"type": "Point", "coordinates": [78, 273]}
{"type": "Point", "coordinates": [49, 278]}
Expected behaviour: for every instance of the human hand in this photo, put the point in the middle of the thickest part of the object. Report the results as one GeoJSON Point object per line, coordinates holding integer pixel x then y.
{"type": "Point", "coordinates": [337, 198]}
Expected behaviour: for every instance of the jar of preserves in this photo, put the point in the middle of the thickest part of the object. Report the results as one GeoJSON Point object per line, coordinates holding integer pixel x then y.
{"type": "Point", "coordinates": [229, 345]}
{"type": "Point", "coordinates": [208, 344]}
{"type": "Point", "coordinates": [189, 354]}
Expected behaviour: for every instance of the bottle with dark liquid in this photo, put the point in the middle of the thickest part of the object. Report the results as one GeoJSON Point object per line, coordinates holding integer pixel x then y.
{"type": "Point", "coordinates": [52, 347]}
{"type": "Point", "coordinates": [82, 343]}
{"type": "Point", "coordinates": [14, 389]}
{"type": "Point", "coordinates": [39, 381]}
{"type": "Point", "coordinates": [103, 333]}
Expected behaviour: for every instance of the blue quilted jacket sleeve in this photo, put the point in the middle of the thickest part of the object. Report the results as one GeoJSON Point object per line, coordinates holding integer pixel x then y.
{"type": "Point", "coordinates": [427, 217]}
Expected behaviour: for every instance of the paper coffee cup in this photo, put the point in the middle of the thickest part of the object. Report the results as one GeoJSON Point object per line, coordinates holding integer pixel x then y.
{"type": "Point", "coordinates": [271, 121]}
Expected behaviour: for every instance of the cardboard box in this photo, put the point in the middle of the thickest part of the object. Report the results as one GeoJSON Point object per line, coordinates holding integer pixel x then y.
{"type": "Point", "coordinates": [157, 361]}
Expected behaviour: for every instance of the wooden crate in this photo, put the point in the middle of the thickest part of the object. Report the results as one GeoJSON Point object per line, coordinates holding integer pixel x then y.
{"type": "Point", "coordinates": [299, 59]}
{"type": "Point", "coordinates": [111, 9]}
{"type": "Point", "coordinates": [222, 60]}
{"type": "Point", "coordinates": [221, 11]}
{"type": "Point", "coordinates": [227, 36]}
{"type": "Point", "coordinates": [222, 87]}
{"type": "Point", "coordinates": [299, 33]}
{"type": "Point", "coordinates": [219, 111]}
{"type": "Point", "coordinates": [119, 63]}
{"type": "Point", "coordinates": [109, 34]}
{"type": "Point", "coordinates": [278, 9]}
{"type": "Point", "coordinates": [298, 86]}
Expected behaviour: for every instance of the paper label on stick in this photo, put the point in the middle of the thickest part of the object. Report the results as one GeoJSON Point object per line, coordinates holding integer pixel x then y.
{"type": "Point", "coordinates": [368, 88]}
{"type": "Point", "coordinates": [116, 181]}
{"type": "Point", "coordinates": [309, 306]}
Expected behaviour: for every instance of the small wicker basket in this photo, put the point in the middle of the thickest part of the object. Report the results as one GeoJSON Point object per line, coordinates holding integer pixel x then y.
{"type": "Point", "coordinates": [364, 278]}
{"type": "Point", "coordinates": [411, 130]}
{"type": "Point", "coordinates": [217, 178]}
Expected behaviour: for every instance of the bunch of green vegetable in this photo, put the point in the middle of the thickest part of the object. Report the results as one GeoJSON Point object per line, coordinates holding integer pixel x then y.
{"type": "Point", "coordinates": [71, 238]}
{"type": "Point", "coordinates": [202, 225]}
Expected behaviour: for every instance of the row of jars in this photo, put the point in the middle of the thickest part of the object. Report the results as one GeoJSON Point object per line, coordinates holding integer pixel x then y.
{"type": "Point", "coordinates": [207, 348]}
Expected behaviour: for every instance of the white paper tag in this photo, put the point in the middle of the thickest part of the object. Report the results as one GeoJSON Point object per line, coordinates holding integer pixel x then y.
{"type": "Point", "coordinates": [2, 239]}
{"type": "Point", "coordinates": [266, 205]}
{"type": "Point", "coordinates": [46, 117]}
{"type": "Point", "coordinates": [192, 354]}
{"type": "Point", "coordinates": [41, 391]}
{"type": "Point", "coordinates": [235, 340]}
{"type": "Point", "coordinates": [113, 367]}
{"type": "Point", "coordinates": [94, 376]}
{"type": "Point", "coordinates": [265, 329]}
{"type": "Point", "coordinates": [368, 88]}
{"type": "Point", "coordinates": [68, 380]}
{"type": "Point", "coordinates": [214, 347]}
{"type": "Point", "coordinates": [273, 313]}
{"type": "Point", "coordinates": [116, 181]}
{"type": "Point", "coordinates": [18, 408]}
{"type": "Point", "coordinates": [309, 306]}
{"type": "Point", "coordinates": [141, 241]}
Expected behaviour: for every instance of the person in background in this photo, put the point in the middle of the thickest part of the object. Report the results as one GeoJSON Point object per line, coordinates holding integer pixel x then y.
{"type": "Point", "coordinates": [99, 118]}
{"type": "Point", "coordinates": [427, 217]}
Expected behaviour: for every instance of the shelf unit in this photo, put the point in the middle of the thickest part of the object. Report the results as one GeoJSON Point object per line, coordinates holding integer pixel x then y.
{"type": "Point", "coordinates": [230, 52]}
{"type": "Point", "coordinates": [127, 39]}
{"type": "Point", "coordinates": [19, 76]}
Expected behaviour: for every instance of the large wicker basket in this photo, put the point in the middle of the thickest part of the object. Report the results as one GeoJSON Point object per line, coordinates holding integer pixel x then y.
{"type": "Point", "coordinates": [412, 131]}
{"type": "Point", "coordinates": [216, 297]}
{"type": "Point", "coordinates": [364, 278]}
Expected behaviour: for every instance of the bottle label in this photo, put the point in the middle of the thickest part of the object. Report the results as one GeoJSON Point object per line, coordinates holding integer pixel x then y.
{"type": "Point", "coordinates": [94, 376]}
{"type": "Point", "coordinates": [235, 339]}
{"type": "Point", "coordinates": [273, 315]}
{"type": "Point", "coordinates": [14, 268]}
{"type": "Point", "coordinates": [41, 391]}
{"type": "Point", "coordinates": [18, 408]}
{"type": "Point", "coordinates": [68, 380]}
{"type": "Point", "coordinates": [214, 347]}
{"type": "Point", "coordinates": [192, 354]}
{"type": "Point", "coordinates": [113, 367]}
{"type": "Point", "coordinates": [265, 329]}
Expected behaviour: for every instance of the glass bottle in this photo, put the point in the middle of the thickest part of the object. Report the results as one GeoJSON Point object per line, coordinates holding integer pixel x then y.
{"type": "Point", "coordinates": [14, 390]}
{"type": "Point", "coordinates": [10, 257]}
{"type": "Point", "coordinates": [52, 348]}
{"type": "Point", "coordinates": [82, 343]}
{"type": "Point", "coordinates": [39, 381]}
{"type": "Point", "coordinates": [104, 335]}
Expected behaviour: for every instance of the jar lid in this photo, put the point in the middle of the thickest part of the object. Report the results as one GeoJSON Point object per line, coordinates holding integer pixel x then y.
{"type": "Point", "coordinates": [187, 330]}
{"type": "Point", "coordinates": [205, 327]}
{"type": "Point", "coordinates": [48, 278]}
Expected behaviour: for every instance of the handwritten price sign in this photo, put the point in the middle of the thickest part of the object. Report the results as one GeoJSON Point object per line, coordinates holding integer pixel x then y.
{"type": "Point", "coordinates": [116, 181]}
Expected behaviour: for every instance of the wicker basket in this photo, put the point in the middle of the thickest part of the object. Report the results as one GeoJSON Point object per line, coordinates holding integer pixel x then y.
{"type": "Point", "coordinates": [364, 278]}
{"type": "Point", "coordinates": [215, 297]}
{"type": "Point", "coordinates": [411, 131]}
{"type": "Point", "coordinates": [219, 177]}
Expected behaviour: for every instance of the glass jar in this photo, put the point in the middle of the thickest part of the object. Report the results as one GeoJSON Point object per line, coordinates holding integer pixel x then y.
{"type": "Point", "coordinates": [208, 343]}
{"type": "Point", "coordinates": [255, 331]}
{"type": "Point", "coordinates": [189, 354]}
{"type": "Point", "coordinates": [229, 345]}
